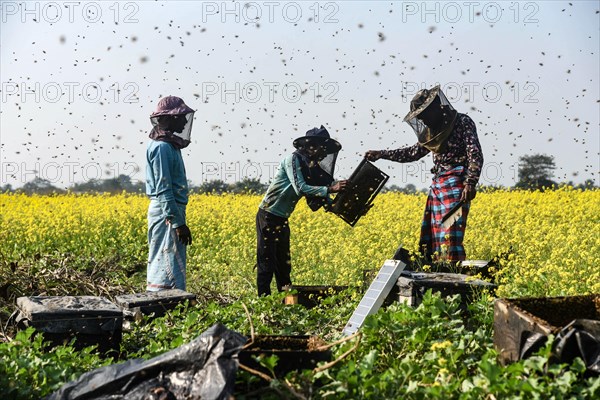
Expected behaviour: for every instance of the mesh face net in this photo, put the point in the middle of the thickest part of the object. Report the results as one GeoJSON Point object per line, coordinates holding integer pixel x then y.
{"type": "Point", "coordinates": [419, 127]}
{"type": "Point", "coordinates": [319, 173]}
{"type": "Point", "coordinates": [177, 125]}
{"type": "Point", "coordinates": [328, 163]}
{"type": "Point", "coordinates": [321, 157]}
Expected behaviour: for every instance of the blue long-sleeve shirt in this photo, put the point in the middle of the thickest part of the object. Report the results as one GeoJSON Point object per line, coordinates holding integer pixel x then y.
{"type": "Point", "coordinates": [166, 180]}
{"type": "Point", "coordinates": [287, 187]}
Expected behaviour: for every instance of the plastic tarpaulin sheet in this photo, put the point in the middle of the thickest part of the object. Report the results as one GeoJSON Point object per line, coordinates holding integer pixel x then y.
{"type": "Point", "coordinates": [202, 369]}
{"type": "Point", "coordinates": [580, 338]}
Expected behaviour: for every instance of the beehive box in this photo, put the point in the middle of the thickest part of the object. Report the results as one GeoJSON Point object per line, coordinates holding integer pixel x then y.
{"type": "Point", "coordinates": [153, 302]}
{"type": "Point", "coordinates": [412, 286]}
{"type": "Point", "coordinates": [294, 353]}
{"type": "Point", "coordinates": [516, 319]}
{"type": "Point", "coordinates": [311, 296]}
{"type": "Point", "coordinates": [90, 320]}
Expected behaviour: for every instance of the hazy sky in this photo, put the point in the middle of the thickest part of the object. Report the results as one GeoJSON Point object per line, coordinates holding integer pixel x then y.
{"type": "Point", "coordinates": [79, 80]}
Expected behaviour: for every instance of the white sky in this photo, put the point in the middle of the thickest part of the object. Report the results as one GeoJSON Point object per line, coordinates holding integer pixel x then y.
{"type": "Point", "coordinates": [78, 84]}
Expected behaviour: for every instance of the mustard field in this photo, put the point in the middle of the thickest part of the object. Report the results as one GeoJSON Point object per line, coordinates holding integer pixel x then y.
{"type": "Point", "coordinates": [552, 238]}
{"type": "Point", "coordinates": [548, 245]}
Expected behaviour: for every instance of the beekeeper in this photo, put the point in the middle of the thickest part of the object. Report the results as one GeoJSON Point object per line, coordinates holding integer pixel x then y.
{"type": "Point", "coordinates": [166, 185]}
{"type": "Point", "coordinates": [457, 162]}
{"type": "Point", "coordinates": [307, 172]}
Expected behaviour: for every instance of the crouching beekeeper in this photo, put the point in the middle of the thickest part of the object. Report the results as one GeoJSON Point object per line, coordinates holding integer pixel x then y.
{"type": "Point", "coordinates": [166, 185]}
{"type": "Point", "coordinates": [306, 172]}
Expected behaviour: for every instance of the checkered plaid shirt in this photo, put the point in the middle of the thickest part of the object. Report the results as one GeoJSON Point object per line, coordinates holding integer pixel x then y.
{"type": "Point", "coordinates": [463, 149]}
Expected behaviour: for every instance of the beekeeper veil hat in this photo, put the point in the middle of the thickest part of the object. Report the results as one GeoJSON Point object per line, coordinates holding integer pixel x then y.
{"type": "Point", "coordinates": [432, 118]}
{"type": "Point", "coordinates": [173, 118]}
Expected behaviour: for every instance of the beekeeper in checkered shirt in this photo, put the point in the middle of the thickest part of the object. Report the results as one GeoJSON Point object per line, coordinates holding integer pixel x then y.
{"type": "Point", "coordinates": [457, 161]}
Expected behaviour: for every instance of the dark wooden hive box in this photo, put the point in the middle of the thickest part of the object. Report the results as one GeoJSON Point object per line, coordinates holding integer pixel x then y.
{"type": "Point", "coordinates": [154, 302]}
{"type": "Point", "coordinates": [90, 320]}
{"type": "Point", "coordinates": [311, 296]}
{"type": "Point", "coordinates": [412, 286]}
{"type": "Point", "coordinates": [516, 319]}
{"type": "Point", "coordinates": [293, 352]}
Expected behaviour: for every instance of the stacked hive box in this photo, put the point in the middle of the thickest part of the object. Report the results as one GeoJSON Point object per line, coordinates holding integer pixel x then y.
{"type": "Point", "coordinates": [412, 286]}
{"type": "Point", "coordinates": [91, 320]}
{"type": "Point", "coordinates": [516, 320]}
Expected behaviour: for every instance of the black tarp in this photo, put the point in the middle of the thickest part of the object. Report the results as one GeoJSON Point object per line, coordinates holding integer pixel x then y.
{"type": "Point", "coordinates": [202, 369]}
{"type": "Point", "coordinates": [580, 338]}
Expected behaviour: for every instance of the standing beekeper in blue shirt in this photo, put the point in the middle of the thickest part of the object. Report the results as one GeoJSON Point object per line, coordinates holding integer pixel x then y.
{"type": "Point", "coordinates": [166, 185]}
{"type": "Point", "coordinates": [306, 172]}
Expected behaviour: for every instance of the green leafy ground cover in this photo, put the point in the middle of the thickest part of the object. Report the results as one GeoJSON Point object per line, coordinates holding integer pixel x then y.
{"type": "Point", "coordinates": [433, 351]}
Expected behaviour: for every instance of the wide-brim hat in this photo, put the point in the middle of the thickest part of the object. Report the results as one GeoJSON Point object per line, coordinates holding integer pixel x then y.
{"type": "Point", "coordinates": [421, 101]}
{"type": "Point", "coordinates": [318, 137]}
{"type": "Point", "coordinates": [171, 105]}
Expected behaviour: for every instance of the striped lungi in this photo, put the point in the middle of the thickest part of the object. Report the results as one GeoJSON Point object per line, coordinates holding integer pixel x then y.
{"type": "Point", "coordinates": [166, 255]}
{"type": "Point", "coordinates": [438, 243]}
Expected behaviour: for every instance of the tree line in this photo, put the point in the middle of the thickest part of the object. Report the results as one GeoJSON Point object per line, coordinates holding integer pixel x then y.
{"type": "Point", "coordinates": [535, 173]}
{"type": "Point", "coordinates": [123, 183]}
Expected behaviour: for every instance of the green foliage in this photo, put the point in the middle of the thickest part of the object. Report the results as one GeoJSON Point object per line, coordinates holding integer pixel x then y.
{"type": "Point", "coordinates": [535, 171]}
{"type": "Point", "coordinates": [30, 371]}
{"type": "Point", "coordinates": [269, 316]}
{"type": "Point", "coordinates": [217, 186]}
{"type": "Point", "coordinates": [433, 351]}
{"type": "Point", "coordinates": [429, 352]}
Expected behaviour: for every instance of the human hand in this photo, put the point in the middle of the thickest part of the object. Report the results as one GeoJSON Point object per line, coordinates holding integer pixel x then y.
{"type": "Point", "coordinates": [469, 192]}
{"type": "Point", "coordinates": [339, 186]}
{"type": "Point", "coordinates": [184, 235]}
{"type": "Point", "coordinates": [373, 155]}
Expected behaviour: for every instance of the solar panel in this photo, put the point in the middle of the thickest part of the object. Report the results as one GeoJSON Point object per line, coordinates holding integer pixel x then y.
{"type": "Point", "coordinates": [374, 297]}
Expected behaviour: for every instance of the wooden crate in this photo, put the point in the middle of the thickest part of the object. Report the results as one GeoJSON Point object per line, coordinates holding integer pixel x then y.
{"type": "Point", "coordinates": [517, 319]}
{"type": "Point", "coordinates": [294, 353]}
{"type": "Point", "coordinates": [412, 286]}
{"type": "Point", "coordinates": [311, 296]}
{"type": "Point", "coordinates": [158, 302]}
{"type": "Point", "coordinates": [90, 320]}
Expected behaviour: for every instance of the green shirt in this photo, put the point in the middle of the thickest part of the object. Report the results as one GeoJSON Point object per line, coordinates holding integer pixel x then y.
{"type": "Point", "coordinates": [287, 187]}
